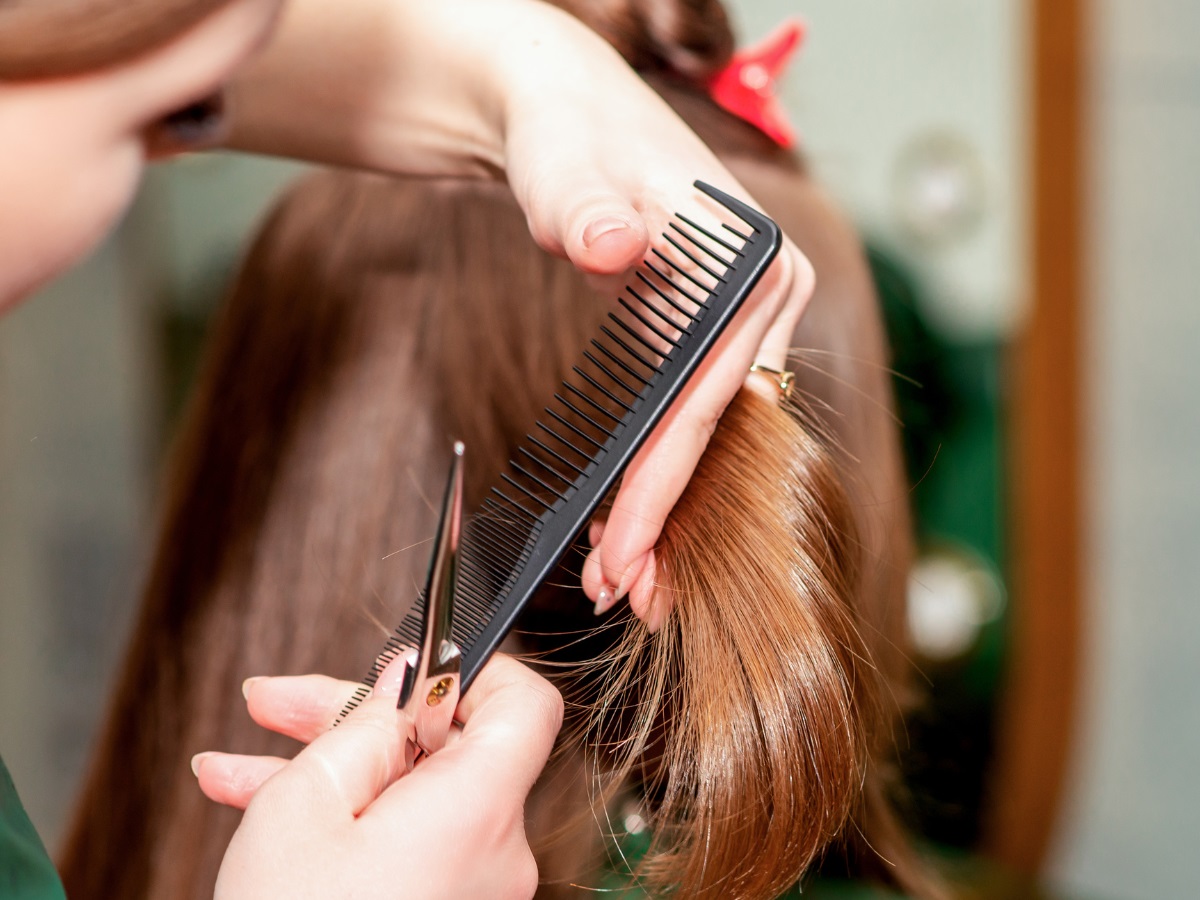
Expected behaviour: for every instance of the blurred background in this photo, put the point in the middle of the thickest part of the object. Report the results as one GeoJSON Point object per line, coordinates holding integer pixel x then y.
{"type": "Point", "coordinates": [1025, 177]}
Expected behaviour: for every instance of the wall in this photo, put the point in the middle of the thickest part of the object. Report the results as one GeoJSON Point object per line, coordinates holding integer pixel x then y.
{"type": "Point", "coordinates": [80, 397]}
{"type": "Point", "coordinates": [73, 402]}
{"type": "Point", "coordinates": [1133, 821]}
{"type": "Point", "coordinates": [877, 81]}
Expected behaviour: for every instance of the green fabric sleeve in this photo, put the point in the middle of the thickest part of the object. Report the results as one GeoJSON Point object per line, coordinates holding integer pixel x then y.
{"type": "Point", "coordinates": [26, 872]}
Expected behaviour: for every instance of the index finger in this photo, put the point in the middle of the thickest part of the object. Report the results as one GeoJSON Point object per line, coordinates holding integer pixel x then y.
{"type": "Point", "coordinates": [623, 563]}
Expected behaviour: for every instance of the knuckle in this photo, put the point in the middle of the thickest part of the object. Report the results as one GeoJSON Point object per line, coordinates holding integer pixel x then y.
{"type": "Point", "coordinates": [789, 284]}
{"type": "Point", "coordinates": [804, 278]}
{"type": "Point", "coordinates": [540, 191]}
{"type": "Point", "coordinates": [704, 425]}
{"type": "Point", "coordinates": [549, 705]}
{"type": "Point", "coordinates": [543, 706]}
{"type": "Point", "coordinates": [544, 703]}
{"type": "Point", "coordinates": [543, 233]}
{"type": "Point", "coordinates": [275, 800]}
{"type": "Point", "coordinates": [378, 733]}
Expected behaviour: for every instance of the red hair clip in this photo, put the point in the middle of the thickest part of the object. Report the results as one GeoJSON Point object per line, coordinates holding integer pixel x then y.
{"type": "Point", "coordinates": [746, 87]}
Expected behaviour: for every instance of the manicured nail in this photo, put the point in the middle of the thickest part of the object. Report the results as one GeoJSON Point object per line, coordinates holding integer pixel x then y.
{"type": "Point", "coordinates": [601, 227]}
{"type": "Point", "coordinates": [249, 683]}
{"type": "Point", "coordinates": [656, 616]}
{"type": "Point", "coordinates": [604, 601]}
{"type": "Point", "coordinates": [629, 579]}
{"type": "Point", "coordinates": [197, 760]}
{"type": "Point", "coordinates": [661, 603]}
{"type": "Point", "coordinates": [391, 679]}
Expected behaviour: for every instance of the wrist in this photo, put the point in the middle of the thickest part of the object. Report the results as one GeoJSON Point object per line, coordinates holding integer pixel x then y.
{"type": "Point", "coordinates": [478, 69]}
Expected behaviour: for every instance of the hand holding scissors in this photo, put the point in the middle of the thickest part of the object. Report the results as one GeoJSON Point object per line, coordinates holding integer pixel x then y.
{"type": "Point", "coordinates": [345, 803]}
{"type": "Point", "coordinates": [430, 686]}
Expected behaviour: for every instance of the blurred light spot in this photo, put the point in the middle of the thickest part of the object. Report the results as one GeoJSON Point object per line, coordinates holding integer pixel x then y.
{"type": "Point", "coordinates": [939, 188]}
{"type": "Point", "coordinates": [951, 596]}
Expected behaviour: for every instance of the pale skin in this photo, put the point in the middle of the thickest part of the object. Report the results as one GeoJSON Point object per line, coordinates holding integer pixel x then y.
{"type": "Point", "coordinates": [340, 821]}
{"type": "Point", "coordinates": [596, 160]}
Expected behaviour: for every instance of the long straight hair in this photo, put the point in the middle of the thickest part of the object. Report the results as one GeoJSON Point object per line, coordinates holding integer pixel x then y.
{"type": "Point", "coordinates": [371, 322]}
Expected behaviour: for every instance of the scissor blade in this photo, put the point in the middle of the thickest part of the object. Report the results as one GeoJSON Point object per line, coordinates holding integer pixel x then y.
{"type": "Point", "coordinates": [438, 637]}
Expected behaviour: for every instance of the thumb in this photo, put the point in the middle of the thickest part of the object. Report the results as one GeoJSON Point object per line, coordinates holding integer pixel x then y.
{"type": "Point", "coordinates": [344, 770]}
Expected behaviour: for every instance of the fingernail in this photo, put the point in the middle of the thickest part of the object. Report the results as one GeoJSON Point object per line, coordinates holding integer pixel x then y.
{"type": "Point", "coordinates": [391, 679]}
{"type": "Point", "coordinates": [646, 600]}
{"type": "Point", "coordinates": [197, 761]}
{"type": "Point", "coordinates": [657, 614]}
{"type": "Point", "coordinates": [599, 228]}
{"type": "Point", "coordinates": [249, 683]}
{"type": "Point", "coordinates": [604, 601]}
{"type": "Point", "coordinates": [631, 575]}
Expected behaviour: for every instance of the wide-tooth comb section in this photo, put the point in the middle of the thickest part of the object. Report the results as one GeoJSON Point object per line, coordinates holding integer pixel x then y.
{"type": "Point", "coordinates": [684, 294]}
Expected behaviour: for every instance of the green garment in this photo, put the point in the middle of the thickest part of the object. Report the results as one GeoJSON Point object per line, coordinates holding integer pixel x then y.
{"type": "Point", "coordinates": [26, 872]}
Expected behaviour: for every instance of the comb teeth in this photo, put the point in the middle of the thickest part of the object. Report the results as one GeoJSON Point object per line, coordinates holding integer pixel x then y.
{"type": "Point", "coordinates": [684, 296]}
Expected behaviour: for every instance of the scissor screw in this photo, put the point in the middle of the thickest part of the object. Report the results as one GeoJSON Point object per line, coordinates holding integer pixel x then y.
{"type": "Point", "coordinates": [438, 691]}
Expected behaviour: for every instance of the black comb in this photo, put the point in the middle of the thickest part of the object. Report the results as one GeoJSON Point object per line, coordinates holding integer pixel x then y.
{"type": "Point", "coordinates": [680, 301]}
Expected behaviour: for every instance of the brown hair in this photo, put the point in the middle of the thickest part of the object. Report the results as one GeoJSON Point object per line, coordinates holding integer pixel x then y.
{"type": "Point", "coordinates": [52, 38]}
{"type": "Point", "coordinates": [372, 321]}
{"type": "Point", "coordinates": [339, 369]}
{"type": "Point", "coordinates": [688, 38]}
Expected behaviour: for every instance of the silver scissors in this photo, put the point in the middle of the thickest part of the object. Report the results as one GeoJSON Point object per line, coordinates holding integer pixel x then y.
{"type": "Point", "coordinates": [430, 687]}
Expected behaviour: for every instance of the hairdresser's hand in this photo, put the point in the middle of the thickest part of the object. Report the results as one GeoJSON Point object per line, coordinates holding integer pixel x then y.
{"type": "Point", "coordinates": [597, 160]}
{"type": "Point", "coordinates": [342, 820]}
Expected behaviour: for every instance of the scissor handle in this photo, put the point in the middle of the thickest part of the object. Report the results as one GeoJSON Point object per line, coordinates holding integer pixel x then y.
{"type": "Point", "coordinates": [432, 699]}
{"type": "Point", "coordinates": [431, 686]}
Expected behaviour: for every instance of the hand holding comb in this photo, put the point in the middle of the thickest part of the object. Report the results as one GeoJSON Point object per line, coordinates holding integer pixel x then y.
{"type": "Point", "coordinates": [680, 300]}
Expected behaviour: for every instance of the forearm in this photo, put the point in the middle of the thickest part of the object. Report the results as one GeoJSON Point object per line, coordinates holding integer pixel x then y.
{"type": "Point", "coordinates": [401, 86]}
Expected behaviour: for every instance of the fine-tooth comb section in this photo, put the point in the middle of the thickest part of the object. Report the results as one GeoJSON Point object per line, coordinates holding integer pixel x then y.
{"type": "Point", "coordinates": [683, 296]}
